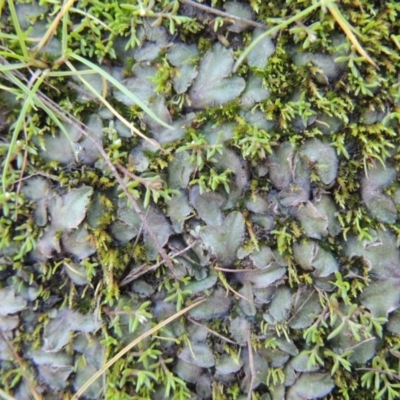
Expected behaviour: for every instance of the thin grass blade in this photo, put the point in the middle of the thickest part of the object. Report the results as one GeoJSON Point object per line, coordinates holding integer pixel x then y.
{"type": "Point", "coordinates": [18, 126]}
{"type": "Point", "coordinates": [120, 87]}
{"type": "Point", "coordinates": [130, 346]}
{"type": "Point", "coordinates": [53, 27]}
{"type": "Point", "coordinates": [17, 26]}
{"type": "Point", "coordinates": [13, 67]}
{"type": "Point", "coordinates": [274, 29]}
{"type": "Point", "coordinates": [113, 110]}
{"type": "Point", "coordinates": [348, 30]}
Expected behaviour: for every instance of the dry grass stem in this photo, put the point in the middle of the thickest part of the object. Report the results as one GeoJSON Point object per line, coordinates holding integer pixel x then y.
{"type": "Point", "coordinates": [132, 345]}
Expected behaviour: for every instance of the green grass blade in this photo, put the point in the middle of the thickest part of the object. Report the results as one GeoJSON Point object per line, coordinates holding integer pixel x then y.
{"type": "Point", "coordinates": [10, 90]}
{"type": "Point", "coordinates": [56, 120]}
{"type": "Point", "coordinates": [18, 126]}
{"type": "Point", "coordinates": [64, 34]}
{"type": "Point", "coordinates": [120, 87]}
{"type": "Point", "coordinates": [12, 67]}
{"type": "Point", "coordinates": [274, 29]}
{"type": "Point", "coordinates": [97, 20]}
{"type": "Point", "coordinates": [5, 396]}
{"type": "Point", "coordinates": [13, 79]}
{"type": "Point", "coordinates": [74, 72]}
{"type": "Point", "coordinates": [113, 110]}
{"type": "Point", "coordinates": [11, 36]}
{"type": "Point", "coordinates": [38, 102]}
{"type": "Point", "coordinates": [17, 26]}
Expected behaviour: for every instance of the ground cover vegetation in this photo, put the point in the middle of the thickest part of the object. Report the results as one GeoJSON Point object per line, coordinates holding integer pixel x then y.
{"type": "Point", "coordinates": [199, 200]}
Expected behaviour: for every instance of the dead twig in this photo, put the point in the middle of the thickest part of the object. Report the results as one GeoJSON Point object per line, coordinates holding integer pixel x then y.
{"type": "Point", "coordinates": [380, 371]}
{"type": "Point", "coordinates": [53, 27]}
{"type": "Point", "coordinates": [133, 202]}
{"type": "Point", "coordinates": [144, 268]}
{"type": "Point", "coordinates": [251, 365]}
{"type": "Point", "coordinates": [348, 30]}
{"type": "Point", "coordinates": [223, 14]}
{"type": "Point", "coordinates": [233, 270]}
{"type": "Point", "coordinates": [140, 231]}
{"type": "Point", "coordinates": [211, 331]}
{"type": "Point", "coordinates": [24, 371]}
{"type": "Point", "coordinates": [130, 346]}
{"type": "Point", "coordinates": [67, 117]}
{"type": "Point", "coordinates": [48, 176]}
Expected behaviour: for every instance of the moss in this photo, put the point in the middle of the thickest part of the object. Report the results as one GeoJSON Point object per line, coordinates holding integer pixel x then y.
{"type": "Point", "coordinates": [319, 88]}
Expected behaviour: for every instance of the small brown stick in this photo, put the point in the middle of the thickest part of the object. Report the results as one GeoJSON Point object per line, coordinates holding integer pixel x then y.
{"type": "Point", "coordinates": [79, 125]}
{"type": "Point", "coordinates": [137, 272]}
{"type": "Point", "coordinates": [144, 268]}
{"type": "Point", "coordinates": [53, 27]}
{"type": "Point", "coordinates": [233, 270]}
{"type": "Point", "coordinates": [300, 308]}
{"type": "Point", "coordinates": [223, 14]}
{"type": "Point", "coordinates": [380, 371]}
{"type": "Point", "coordinates": [140, 231]}
{"type": "Point", "coordinates": [16, 356]}
{"type": "Point", "coordinates": [144, 182]}
{"type": "Point", "coordinates": [82, 91]}
{"type": "Point", "coordinates": [48, 176]}
{"type": "Point", "coordinates": [211, 331]}
{"type": "Point", "coordinates": [134, 203]}
{"type": "Point", "coordinates": [24, 162]}
{"type": "Point", "coordinates": [251, 365]}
